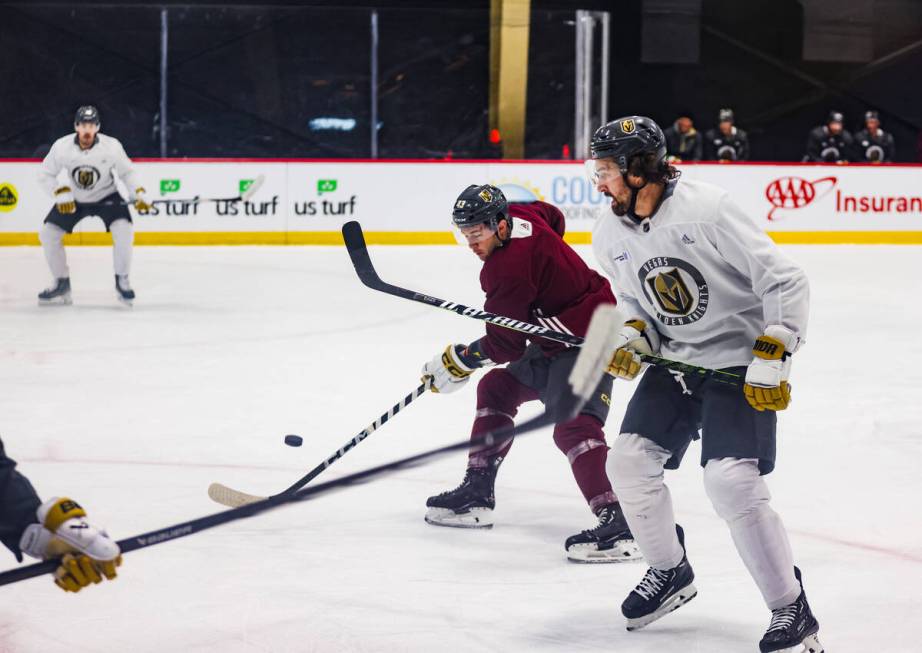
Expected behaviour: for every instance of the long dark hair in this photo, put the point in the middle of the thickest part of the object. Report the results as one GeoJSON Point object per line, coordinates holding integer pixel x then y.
{"type": "Point", "coordinates": [651, 168]}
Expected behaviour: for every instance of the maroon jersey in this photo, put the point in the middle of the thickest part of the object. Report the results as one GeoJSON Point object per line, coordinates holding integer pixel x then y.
{"type": "Point", "coordinates": [536, 277]}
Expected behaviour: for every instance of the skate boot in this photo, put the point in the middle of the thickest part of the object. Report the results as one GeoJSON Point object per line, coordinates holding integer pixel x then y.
{"type": "Point", "coordinates": [660, 592]}
{"type": "Point", "coordinates": [125, 293]}
{"type": "Point", "coordinates": [57, 294]}
{"type": "Point", "coordinates": [793, 627]}
{"type": "Point", "coordinates": [470, 505]}
{"type": "Point", "coordinates": [610, 541]}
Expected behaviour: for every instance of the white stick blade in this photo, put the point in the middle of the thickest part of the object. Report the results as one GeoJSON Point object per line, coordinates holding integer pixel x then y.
{"type": "Point", "coordinates": [598, 347]}
{"type": "Point", "coordinates": [230, 497]}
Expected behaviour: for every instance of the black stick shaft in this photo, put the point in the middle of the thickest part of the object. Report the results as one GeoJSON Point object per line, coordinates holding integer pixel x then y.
{"type": "Point", "coordinates": [186, 528]}
{"type": "Point", "coordinates": [358, 252]}
{"type": "Point", "coordinates": [364, 433]}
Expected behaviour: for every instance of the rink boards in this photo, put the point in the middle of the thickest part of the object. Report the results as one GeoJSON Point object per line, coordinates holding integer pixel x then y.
{"type": "Point", "coordinates": [409, 202]}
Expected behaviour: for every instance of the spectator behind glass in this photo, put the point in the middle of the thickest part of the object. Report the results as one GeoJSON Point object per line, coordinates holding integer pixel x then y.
{"type": "Point", "coordinates": [727, 142]}
{"type": "Point", "coordinates": [683, 141]}
{"type": "Point", "coordinates": [829, 143]}
{"type": "Point", "coordinates": [873, 144]}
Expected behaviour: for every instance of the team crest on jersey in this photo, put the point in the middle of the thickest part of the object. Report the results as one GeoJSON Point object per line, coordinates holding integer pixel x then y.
{"type": "Point", "coordinates": [675, 288]}
{"type": "Point", "coordinates": [627, 126]}
{"type": "Point", "coordinates": [85, 177]}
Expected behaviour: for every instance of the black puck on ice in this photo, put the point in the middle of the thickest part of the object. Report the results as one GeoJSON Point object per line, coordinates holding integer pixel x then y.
{"type": "Point", "coordinates": [294, 440]}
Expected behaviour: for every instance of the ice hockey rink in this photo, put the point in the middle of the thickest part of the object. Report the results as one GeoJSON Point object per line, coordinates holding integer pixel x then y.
{"type": "Point", "coordinates": [134, 412]}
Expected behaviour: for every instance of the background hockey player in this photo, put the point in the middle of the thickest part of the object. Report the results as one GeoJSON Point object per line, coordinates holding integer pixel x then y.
{"type": "Point", "coordinates": [873, 144]}
{"type": "Point", "coordinates": [693, 271]}
{"type": "Point", "coordinates": [683, 140]}
{"type": "Point", "coordinates": [830, 143]}
{"type": "Point", "coordinates": [726, 142]}
{"type": "Point", "coordinates": [529, 273]}
{"type": "Point", "coordinates": [53, 529]}
{"type": "Point", "coordinates": [89, 159]}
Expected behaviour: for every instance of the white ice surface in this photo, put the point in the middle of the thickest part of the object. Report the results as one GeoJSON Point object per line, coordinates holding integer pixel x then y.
{"type": "Point", "coordinates": [135, 412]}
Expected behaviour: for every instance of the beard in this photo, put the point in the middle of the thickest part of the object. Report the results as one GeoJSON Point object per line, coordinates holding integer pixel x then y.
{"type": "Point", "coordinates": [619, 205]}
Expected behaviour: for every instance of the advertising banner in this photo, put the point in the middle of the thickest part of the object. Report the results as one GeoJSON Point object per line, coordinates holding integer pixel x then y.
{"type": "Point", "coordinates": [306, 202]}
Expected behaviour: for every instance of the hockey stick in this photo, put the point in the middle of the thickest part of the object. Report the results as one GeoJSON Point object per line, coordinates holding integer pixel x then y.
{"type": "Point", "coordinates": [587, 372]}
{"type": "Point", "coordinates": [358, 252]}
{"type": "Point", "coordinates": [242, 197]}
{"type": "Point", "coordinates": [228, 496]}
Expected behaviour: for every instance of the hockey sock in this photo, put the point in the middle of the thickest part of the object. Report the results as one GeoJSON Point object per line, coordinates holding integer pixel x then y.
{"type": "Point", "coordinates": [583, 442]}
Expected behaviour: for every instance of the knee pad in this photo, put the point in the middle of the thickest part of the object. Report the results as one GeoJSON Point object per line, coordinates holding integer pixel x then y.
{"type": "Point", "coordinates": [50, 233]}
{"type": "Point", "coordinates": [579, 435]}
{"type": "Point", "coordinates": [500, 393]}
{"type": "Point", "coordinates": [121, 228]}
{"type": "Point", "coordinates": [635, 461]}
{"type": "Point", "coordinates": [735, 487]}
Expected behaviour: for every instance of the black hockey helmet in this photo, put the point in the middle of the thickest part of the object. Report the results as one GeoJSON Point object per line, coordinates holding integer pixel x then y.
{"type": "Point", "coordinates": [87, 113]}
{"type": "Point", "coordinates": [627, 137]}
{"type": "Point", "coordinates": [480, 204]}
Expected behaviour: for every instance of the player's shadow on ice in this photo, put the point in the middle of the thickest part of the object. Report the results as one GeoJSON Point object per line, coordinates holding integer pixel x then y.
{"type": "Point", "coordinates": [594, 628]}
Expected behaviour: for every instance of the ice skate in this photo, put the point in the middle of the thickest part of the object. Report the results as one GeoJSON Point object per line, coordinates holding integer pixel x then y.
{"type": "Point", "coordinates": [610, 541]}
{"type": "Point", "coordinates": [57, 294]}
{"type": "Point", "coordinates": [793, 628]}
{"type": "Point", "coordinates": [660, 592]}
{"type": "Point", "coordinates": [470, 505]}
{"type": "Point", "coordinates": [123, 289]}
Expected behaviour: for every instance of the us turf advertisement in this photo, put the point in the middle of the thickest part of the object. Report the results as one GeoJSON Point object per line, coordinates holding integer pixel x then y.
{"type": "Point", "coordinates": [306, 202]}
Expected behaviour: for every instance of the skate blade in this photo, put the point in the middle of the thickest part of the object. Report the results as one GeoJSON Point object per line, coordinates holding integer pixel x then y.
{"type": "Point", "coordinates": [810, 644]}
{"type": "Point", "coordinates": [624, 551]}
{"type": "Point", "coordinates": [128, 303]}
{"type": "Point", "coordinates": [64, 300]}
{"type": "Point", "coordinates": [674, 602]}
{"type": "Point", "coordinates": [474, 518]}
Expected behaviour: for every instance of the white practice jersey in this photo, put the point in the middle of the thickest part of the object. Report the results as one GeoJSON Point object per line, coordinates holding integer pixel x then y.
{"type": "Point", "coordinates": [89, 172]}
{"type": "Point", "coordinates": [703, 273]}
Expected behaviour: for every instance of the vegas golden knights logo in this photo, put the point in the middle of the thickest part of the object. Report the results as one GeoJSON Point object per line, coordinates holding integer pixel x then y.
{"type": "Point", "coordinates": [85, 177]}
{"type": "Point", "coordinates": [627, 126]}
{"type": "Point", "coordinates": [671, 292]}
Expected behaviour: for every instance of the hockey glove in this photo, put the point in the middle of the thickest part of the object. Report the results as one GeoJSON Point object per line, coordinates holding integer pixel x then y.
{"type": "Point", "coordinates": [448, 370]}
{"type": "Point", "coordinates": [766, 386]}
{"type": "Point", "coordinates": [634, 338]}
{"type": "Point", "coordinates": [64, 200]}
{"type": "Point", "coordinates": [140, 200]}
{"type": "Point", "coordinates": [87, 554]}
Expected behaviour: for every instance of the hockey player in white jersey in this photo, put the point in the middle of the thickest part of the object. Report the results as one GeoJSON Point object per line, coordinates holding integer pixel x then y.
{"type": "Point", "coordinates": [701, 283]}
{"type": "Point", "coordinates": [88, 158]}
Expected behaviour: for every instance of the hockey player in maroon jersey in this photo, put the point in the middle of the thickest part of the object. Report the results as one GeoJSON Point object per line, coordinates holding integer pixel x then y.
{"type": "Point", "coordinates": [530, 274]}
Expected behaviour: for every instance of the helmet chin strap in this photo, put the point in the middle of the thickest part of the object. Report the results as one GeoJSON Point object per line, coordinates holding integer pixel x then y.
{"type": "Point", "coordinates": [635, 191]}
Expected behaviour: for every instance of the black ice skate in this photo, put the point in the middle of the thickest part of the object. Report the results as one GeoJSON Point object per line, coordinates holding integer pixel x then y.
{"type": "Point", "coordinates": [57, 294]}
{"type": "Point", "coordinates": [793, 627]}
{"type": "Point", "coordinates": [470, 505]}
{"type": "Point", "coordinates": [660, 592]}
{"type": "Point", "coordinates": [125, 293]}
{"type": "Point", "coordinates": [610, 541]}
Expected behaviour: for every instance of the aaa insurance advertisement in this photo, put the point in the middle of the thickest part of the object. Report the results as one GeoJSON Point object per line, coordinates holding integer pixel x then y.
{"type": "Point", "coordinates": [307, 196]}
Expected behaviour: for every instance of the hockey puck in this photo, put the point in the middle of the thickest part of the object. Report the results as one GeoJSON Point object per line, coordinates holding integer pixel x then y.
{"type": "Point", "coordinates": [294, 440]}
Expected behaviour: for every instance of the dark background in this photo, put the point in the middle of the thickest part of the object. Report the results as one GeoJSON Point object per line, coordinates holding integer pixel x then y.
{"type": "Point", "coordinates": [245, 78]}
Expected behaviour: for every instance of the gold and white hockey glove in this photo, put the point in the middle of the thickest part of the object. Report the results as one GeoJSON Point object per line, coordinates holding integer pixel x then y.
{"type": "Point", "coordinates": [140, 200]}
{"type": "Point", "coordinates": [64, 200]}
{"type": "Point", "coordinates": [448, 370]}
{"type": "Point", "coordinates": [634, 338]}
{"type": "Point", "coordinates": [87, 553]}
{"type": "Point", "coordinates": [766, 386]}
